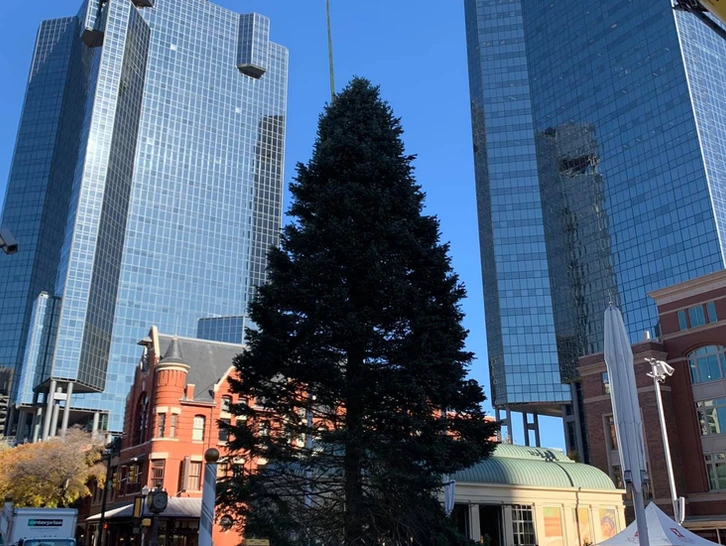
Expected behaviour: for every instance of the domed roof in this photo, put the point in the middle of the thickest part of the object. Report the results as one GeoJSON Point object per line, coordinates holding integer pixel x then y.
{"type": "Point", "coordinates": [534, 467]}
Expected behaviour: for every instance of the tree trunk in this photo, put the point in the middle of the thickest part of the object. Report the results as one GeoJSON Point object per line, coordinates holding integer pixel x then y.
{"type": "Point", "coordinates": [353, 460]}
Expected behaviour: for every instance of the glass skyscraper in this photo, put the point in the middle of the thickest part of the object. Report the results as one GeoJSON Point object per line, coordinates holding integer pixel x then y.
{"type": "Point", "coordinates": [145, 188]}
{"type": "Point", "coordinates": [599, 139]}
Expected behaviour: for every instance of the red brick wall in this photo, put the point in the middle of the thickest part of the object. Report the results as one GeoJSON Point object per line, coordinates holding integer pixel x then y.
{"type": "Point", "coordinates": [679, 406]}
{"type": "Point", "coordinates": [166, 389]}
{"type": "Point", "coordinates": [598, 405]}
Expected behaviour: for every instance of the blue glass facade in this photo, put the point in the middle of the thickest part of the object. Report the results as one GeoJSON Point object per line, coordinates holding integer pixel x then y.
{"type": "Point", "coordinates": [599, 139]}
{"type": "Point", "coordinates": [41, 174]}
{"type": "Point", "coordinates": [39, 348]}
{"type": "Point", "coordinates": [520, 321]}
{"type": "Point", "coordinates": [174, 188]}
{"type": "Point", "coordinates": [225, 329]}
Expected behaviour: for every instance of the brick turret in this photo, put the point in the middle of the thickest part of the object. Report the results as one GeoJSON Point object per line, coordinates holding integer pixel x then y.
{"type": "Point", "coordinates": [171, 376]}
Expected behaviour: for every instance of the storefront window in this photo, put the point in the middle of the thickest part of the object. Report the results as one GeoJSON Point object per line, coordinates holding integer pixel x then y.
{"type": "Point", "coordinates": [460, 515]}
{"type": "Point", "coordinates": [612, 435]}
{"type": "Point", "coordinates": [523, 525]}
{"type": "Point", "coordinates": [707, 363]}
{"type": "Point", "coordinates": [712, 416]}
{"type": "Point", "coordinates": [173, 425]}
{"type": "Point", "coordinates": [716, 470]}
{"type": "Point", "coordinates": [161, 425]}
{"type": "Point", "coordinates": [157, 473]}
{"type": "Point", "coordinates": [195, 476]}
{"type": "Point", "coordinates": [605, 383]}
{"type": "Point", "coordinates": [223, 430]}
{"type": "Point", "coordinates": [198, 430]}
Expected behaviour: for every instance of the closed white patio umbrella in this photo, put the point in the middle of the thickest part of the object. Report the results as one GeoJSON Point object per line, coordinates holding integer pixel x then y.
{"type": "Point", "coordinates": [626, 413]}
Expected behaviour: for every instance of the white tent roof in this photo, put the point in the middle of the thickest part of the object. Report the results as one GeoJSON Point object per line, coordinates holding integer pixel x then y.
{"type": "Point", "coordinates": [662, 531]}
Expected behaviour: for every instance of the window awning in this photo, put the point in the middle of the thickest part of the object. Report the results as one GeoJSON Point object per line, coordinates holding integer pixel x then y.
{"type": "Point", "coordinates": [177, 508]}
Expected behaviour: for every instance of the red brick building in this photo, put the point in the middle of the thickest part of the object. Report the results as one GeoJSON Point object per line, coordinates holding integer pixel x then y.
{"type": "Point", "coordinates": [692, 339]}
{"type": "Point", "coordinates": [179, 394]}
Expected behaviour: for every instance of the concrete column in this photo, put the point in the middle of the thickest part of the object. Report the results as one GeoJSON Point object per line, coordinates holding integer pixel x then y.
{"type": "Point", "coordinates": [510, 433]}
{"type": "Point", "coordinates": [8, 429]}
{"type": "Point", "coordinates": [525, 425]}
{"type": "Point", "coordinates": [48, 410]}
{"type": "Point", "coordinates": [505, 431]}
{"type": "Point", "coordinates": [34, 413]}
{"type": "Point", "coordinates": [22, 421]}
{"type": "Point", "coordinates": [507, 527]}
{"type": "Point", "coordinates": [37, 423]}
{"type": "Point", "coordinates": [94, 430]}
{"type": "Point", "coordinates": [67, 408]}
{"type": "Point", "coordinates": [579, 428]}
{"type": "Point", "coordinates": [54, 421]}
{"type": "Point", "coordinates": [474, 523]}
{"type": "Point", "coordinates": [33, 422]}
{"type": "Point", "coordinates": [502, 424]}
{"type": "Point", "coordinates": [535, 424]}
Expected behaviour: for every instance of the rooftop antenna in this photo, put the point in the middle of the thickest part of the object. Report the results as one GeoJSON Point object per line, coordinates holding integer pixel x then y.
{"type": "Point", "coordinates": [330, 52]}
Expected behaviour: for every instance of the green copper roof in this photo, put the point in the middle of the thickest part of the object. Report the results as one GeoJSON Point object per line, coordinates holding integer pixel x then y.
{"type": "Point", "coordinates": [534, 467]}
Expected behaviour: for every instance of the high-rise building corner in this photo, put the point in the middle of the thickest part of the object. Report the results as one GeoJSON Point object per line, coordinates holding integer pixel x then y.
{"type": "Point", "coordinates": [146, 187]}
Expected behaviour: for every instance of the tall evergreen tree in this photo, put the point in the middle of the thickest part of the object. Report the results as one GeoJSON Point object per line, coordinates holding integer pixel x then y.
{"type": "Point", "coordinates": [354, 386]}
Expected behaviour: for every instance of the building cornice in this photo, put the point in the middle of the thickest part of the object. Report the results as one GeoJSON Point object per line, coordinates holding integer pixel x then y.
{"type": "Point", "coordinates": [687, 289]}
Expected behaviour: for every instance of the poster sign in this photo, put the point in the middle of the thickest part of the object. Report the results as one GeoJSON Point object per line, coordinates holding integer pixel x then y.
{"type": "Point", "coordinates": [608, 527]}
{"type": "Point", "coordinates": [553, 526]}
{"type": "Point", "coordinates": [583, 526]}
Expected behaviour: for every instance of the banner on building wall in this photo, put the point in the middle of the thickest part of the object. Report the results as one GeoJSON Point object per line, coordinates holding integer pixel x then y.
{"type": "Point", "coordinates": [553, 526]}
{"type": "Point", "coordinates": [608, 525]}
{"type": "Point", "coordinates": [583, 526]}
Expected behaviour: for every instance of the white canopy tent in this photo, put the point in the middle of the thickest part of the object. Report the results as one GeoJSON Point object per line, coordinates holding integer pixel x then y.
{"type": "Point", "coordinates": [662, 531]}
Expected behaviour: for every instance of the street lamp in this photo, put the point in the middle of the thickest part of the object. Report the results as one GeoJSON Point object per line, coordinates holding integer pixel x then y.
{"type": "Point", "coordinates": [8, 244]}
{"type": "Point", "coordinates": [112, 448]}
{"type": "Point", "coordinates": [157, 501]}
{"type": "Point", "coordinates": [659, 372]}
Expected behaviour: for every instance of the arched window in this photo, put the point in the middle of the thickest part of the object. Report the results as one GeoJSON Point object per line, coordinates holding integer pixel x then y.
{"type": "Point", "coordinates": [226, 404]}
{"type": "Point", "coordinates": [198, 429]}
{"type": "Point", "coordinates": [141, 419]}
{"type": "Point", "coordinates": [707, 363]}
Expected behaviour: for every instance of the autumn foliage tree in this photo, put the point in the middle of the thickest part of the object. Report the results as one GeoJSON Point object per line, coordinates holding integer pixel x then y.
{"type": "Point", "coordinates": [355, 390]}
{"type": "Point", "coordinates": [55, 473]}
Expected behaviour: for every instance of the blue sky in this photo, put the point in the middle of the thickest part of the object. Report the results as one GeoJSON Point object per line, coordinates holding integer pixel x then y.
{"type": "Point", "coordinates": [414, 49]}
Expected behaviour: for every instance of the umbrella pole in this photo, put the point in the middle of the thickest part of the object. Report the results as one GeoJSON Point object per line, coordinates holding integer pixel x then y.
{"type": "Point", "coordinates": [640, 519]}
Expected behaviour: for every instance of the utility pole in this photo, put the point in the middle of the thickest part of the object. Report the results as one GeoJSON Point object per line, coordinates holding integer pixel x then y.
{"type": "Point", "coordinates": [330, 52]}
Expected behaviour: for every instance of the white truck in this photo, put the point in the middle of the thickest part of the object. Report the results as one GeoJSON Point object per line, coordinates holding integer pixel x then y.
{"type": "Point", "coordinates": [38, 526]}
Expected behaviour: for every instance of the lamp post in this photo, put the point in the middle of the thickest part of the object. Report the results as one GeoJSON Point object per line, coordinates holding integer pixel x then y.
{"type": "Point", "coordinates": [659, 371]}
{"type": "Point", "coordinates": [113, 447]}
{"type": "Point", "coordinates": [209, 495]}
{"type": "Point", "coordinates": [157, 501]}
